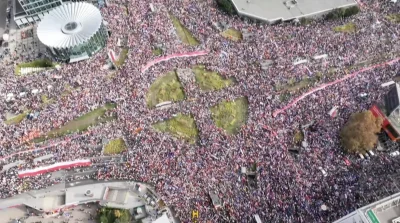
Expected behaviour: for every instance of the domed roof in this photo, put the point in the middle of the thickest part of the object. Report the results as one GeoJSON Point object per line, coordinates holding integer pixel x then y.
{"type": "Point", "coordinates": [69, 25]}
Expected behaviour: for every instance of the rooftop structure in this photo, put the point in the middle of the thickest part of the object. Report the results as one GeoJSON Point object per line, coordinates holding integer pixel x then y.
{"type": "Point", "coordinates": [139, 198]}
{"type": "Point", "coordinates": [73, 31]}
{"type": "Point", "coordinates": [389, 111]}
{"type": "Point", "coordinates": [383, 211]}
{"type": "Point", "coordinates": [32, 7]}
{"type": "Point", "coordinates": [273, 11]}
{"type": "Point", "coordinates": [28, 12]}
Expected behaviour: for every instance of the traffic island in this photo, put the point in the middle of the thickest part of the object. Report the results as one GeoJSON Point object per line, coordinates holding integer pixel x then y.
{"type": "Point", "coordinates": [165, 88]}
{"type": "Point", "coordinates": [211, 80]}
{"type": "Point", "coordinates": [230, 115]}
{"type": "Point", "coordinates": [181, 126]}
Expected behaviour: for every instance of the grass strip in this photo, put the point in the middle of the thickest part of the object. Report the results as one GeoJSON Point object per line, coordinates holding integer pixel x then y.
{"type": "Point", "coordinates": [181, 126]}
{"type": "Point", "coordinates": [122, 57]}
{"type": "Point", "coordinates": [232, 34]}
{"type": "Point", "coordinates": [17, 119]}
{"type": "Point", "coordinates": [347, 28]}
{"type": "Point", "coordinates": [183, 33]}
{"type": "Point", "coordinates": [81, 123]}
{"type": "Point", "coordinates": [36, 63]}
{"type": "Point", "coordinates": [210, 80]}
{"type": "Point", "coordinates": [115, 146]}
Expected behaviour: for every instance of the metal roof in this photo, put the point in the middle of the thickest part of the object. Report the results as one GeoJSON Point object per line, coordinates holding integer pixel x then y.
{"type": "Point", "coordinates": [275, 10]}
{"type": "Point", "coordinates": [69, 25]}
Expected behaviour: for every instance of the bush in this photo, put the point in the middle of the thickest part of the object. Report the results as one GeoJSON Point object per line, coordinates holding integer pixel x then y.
{"type": "Point", "coordinates": [226, 6]}
{"type": "Point", "coordinates": [343, 13]}
{"type": "Point", "coordinates": [109, 215]}
{"type": "Point", "coordinates": [351, 11]}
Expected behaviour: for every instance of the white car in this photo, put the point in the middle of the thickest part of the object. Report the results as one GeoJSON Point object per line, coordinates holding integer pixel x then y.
{"type": "Point", "coordinates": [394, 153]}
{"type": "Point", "coordinates": [323, 171]}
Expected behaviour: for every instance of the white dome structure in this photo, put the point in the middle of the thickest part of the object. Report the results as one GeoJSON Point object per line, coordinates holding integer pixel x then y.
{"type": "Point", "coordinates": [73, 30]}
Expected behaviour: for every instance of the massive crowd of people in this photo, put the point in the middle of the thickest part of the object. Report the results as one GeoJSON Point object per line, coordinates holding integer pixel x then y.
{"type": "Point", "coordinates": [289, 188]}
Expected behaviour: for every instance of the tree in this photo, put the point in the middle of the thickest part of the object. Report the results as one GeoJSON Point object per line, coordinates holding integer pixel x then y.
{"type": "Point", "coordinates": [125, 217]}
{"type": "Point", "coordinates": [109, 215]}
{"type": "Point", "coordinates": [226, 6]}
{"type": "Point", "coordinates": [359, 133]}
{"type": "Point", "coordinates": [103, 219]}
{"type": "Point", "coordinates": [343, 12]}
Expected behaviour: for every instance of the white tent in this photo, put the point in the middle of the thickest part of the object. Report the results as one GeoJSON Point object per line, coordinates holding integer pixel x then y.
{"type": "Point", "coordinates": [6, 37]}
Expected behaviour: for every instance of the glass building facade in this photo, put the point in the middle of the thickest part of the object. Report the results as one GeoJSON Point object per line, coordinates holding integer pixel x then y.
{"type": "Point", "coordinates": [33, 7]}
{"type": "Point", "coordinates": [86, 49]}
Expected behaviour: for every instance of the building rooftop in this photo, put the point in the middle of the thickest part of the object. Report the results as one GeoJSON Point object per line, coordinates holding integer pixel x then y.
{"type": "Point", "coordinates": [382, 211]}
{"type": "Point", "coordinates": [275, 10]}
{"type": "Point", "coordinates": [69, 25]}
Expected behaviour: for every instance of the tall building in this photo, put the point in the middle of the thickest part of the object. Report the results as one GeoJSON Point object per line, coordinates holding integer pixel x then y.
{"type": "Point", "coordinates": [73, 31]}
{"type": "Point", "coordinates": [33, 7]}
{"type": "Point", "coordinates": [28, 12]}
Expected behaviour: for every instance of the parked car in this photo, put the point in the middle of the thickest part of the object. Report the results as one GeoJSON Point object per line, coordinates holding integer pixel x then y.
{"type": "Point", "coordinates": [394, 153]}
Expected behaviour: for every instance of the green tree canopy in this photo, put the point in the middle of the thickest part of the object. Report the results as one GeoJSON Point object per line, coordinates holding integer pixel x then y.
{"type": "Point", "coordinates": [109, 215]}
{"type": "Point", "coordinates": [359, 133]}
{"type": "Point", "coordinates": [226, 6]}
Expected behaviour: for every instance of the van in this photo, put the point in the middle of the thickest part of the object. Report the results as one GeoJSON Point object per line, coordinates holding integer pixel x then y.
{"type": "Point", "coordinates": [215, 200]}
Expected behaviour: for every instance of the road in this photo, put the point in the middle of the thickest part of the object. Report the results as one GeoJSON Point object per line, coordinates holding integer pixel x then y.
{"type": "Point", "coordinates": [3, 16]}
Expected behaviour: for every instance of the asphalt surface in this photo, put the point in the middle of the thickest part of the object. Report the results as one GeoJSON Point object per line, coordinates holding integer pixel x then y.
{"type": "Point", "coordinates": [3, 16]}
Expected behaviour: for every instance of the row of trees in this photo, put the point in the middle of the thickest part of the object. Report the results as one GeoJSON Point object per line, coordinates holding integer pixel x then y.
{"type": "Point", "coordinates": [360, 132]}
{"type": "Point", "coordinates": [343, 12]}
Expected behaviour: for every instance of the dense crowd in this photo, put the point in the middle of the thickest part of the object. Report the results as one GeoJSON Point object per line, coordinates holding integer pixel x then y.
{"type": "Point", "coordinates": [289, 188]}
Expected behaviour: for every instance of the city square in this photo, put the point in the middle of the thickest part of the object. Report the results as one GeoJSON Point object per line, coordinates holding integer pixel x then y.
{"type": "Point", "coordinates": [228, 117]}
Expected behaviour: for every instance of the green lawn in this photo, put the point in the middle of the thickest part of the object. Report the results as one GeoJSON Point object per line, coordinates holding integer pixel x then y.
{"type": "Point", "coordinates": [394, 18]}
{"type": "Point", "coordinates": [183, 33]}
{"type": "Point", "coordinates": [81, 123]}
{"type": "Point", "coordinates": [165, 88]}
{"type": "Point", "coordinates": [122, 57]}
{"type": "Point", "coordinates": [157, 51]}
{"type": "Point", "coordinates": [17, 119]}
{"type": "Point", "coordinates": [182, 126]}
{"type": "Point", "coordinates": [347, 28]}
{"type": "Point", "coordinates": [115, 146]}
{"type": "Point", "coordinates": [230, 115]}
{"type": "Point", "coordinates": [298, 137]}
{"type": "Point", "coordinates": [232, 34]}
{"type": "Point", "coordinates": [210, 80]}
{"type": "Point", "coordinates": [35, 63]}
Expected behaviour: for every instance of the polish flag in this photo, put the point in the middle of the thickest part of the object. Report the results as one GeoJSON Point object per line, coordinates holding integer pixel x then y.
{"type": "Point", "coordinates": [53, 167]}
{"type": "Point", "coordinates": [333, 112]}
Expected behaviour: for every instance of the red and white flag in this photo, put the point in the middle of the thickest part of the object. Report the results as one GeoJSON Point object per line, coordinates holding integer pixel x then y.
{"type": "Point", "coordinates": [333, 112]}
